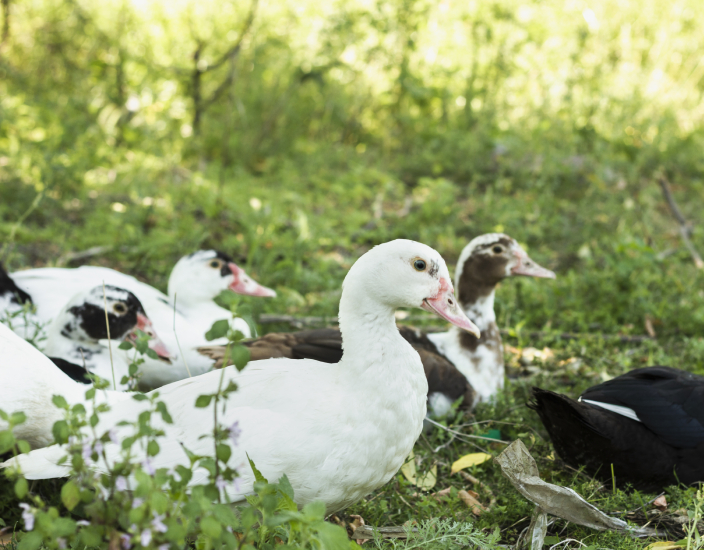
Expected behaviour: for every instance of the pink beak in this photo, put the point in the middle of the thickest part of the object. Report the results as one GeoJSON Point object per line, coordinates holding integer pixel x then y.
{"type": "Point", "coordinates": [243, 284]}
{"type": "Point", "coordinates": [528, 267]}
{"type": "Point", "coordinates": [446, 306]}
{"type": "Point", "coordinates": [155, 343]}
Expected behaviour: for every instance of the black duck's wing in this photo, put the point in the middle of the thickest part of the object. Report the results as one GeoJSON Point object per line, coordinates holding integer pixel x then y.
{"type": "Point", "coordinates": [669, 402]}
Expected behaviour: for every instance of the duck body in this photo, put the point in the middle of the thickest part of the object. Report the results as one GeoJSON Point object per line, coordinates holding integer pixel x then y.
{"type": "Point", "coordinates": [337, 431]}
{"type": "Point", "coordinates": [29, 380]}
{"type": "Point", "coordinates": [647, 423]}
{"type": "Point", "coordinates": [182, 317]}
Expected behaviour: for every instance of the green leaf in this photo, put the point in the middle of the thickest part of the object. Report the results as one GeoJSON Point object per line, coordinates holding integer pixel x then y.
{"type": "Point", "coordinates": [139, 396]}
{"type": "Point", "coordinates": [314, 510]}
{"type": "Point", "coordinates": [60, 431]}
{"type": "Point", "coordinates": [203, 401]}
{"type": "Point", "coordinates": [125, 345]}
{"type": "Point", "coordinates": [227, 299]}
{"type": "Point", "coordinates": [151, 354]}
{"type": "Point", "coordinates": [7, 440]}
{"type": "Point", "coordinates": [218, 330]}
{"type": "Point", "coordinates": [332, 536]}
{"type": "Point", "coordinates": [257, 474]}
{"type": "Point", "coordinates": [17, 418]}
{"type": "Point", "coordinates": [59, 401]}
{"type": "Point", "coordinates": [223, 452]}
{"type": "Point", "coordinates": [152, 448]}
{"type": "Point", "coordinates": [211, 527]}
{"type": "Point", "coordinates": [21, 487]}
{"type": "Point", "coordinates": [30, 541]}
{"type": "Point", "coordinates": [23, 446]}
{"type": "Point", "coordinates": [239, 356]}
{"type": "Point", "coordinates": [285, 486]}
{"type": "Point", "coordinates": [70, 495]}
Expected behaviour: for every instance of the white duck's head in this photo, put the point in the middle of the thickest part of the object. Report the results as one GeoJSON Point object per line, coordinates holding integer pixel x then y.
{"type": "Point", "coordinates": [83, 319]}
{"type": "Point", "coordinates": [405, 273]}
{"type": "Point", "coordinates": [490, 258]}
{"type": "Point", "coordinates": [204, 274]}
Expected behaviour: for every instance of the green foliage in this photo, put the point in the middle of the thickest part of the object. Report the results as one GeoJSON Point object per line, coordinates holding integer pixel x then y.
{"type": "Point", "coordinates": [134, 504]}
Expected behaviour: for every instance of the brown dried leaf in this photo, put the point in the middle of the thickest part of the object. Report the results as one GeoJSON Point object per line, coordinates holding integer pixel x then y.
{"type": "Point", "coordinates": [470, 500]}
{"type": "Point", "coordinates": [660, 503]}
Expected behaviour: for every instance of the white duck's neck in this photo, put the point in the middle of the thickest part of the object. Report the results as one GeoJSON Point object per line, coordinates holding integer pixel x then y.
{"type": "Point", "coordinates": [369, 333]}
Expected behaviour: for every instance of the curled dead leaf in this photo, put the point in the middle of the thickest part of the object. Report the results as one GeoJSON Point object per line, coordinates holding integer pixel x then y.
{"type": "Point", "coordinates": [470, 500]}
{"type": "Point", "coordinates": [660, 503]}
{"type": "Point", "coordinates": [357, 521]}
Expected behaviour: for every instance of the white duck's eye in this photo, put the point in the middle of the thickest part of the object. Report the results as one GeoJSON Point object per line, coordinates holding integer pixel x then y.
{"type": "Point", "coordinates": [119, 308]}
{"type": "Point", "coordinates": [420, 265]}
{"type": "Point", "coordinates": [215, 264]}
{"type": "Point", "coordinates": [497, 249]}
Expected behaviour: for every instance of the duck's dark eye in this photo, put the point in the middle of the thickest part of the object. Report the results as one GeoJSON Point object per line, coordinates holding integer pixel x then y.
{"type": "Point", "coordinates": [497, 249]}
{"type": "Point", "coordinates": [215, 264]}
{"type": "Point", "coordinates": [119, 308]}
{"type": "Point", "coordinates": [420, 265]}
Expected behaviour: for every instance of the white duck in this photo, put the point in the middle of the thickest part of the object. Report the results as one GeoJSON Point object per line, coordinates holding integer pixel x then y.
{"type": "Point", "coordinates": [182, 318]}
{"type": "Point", "coordinates": [483, 263]}
{"type": "Point", "coordinates": [78, 333]}
{"type": "Point", "coordinates": [337, 431]}
{"type": "Point", "coordinates": [28, 380]}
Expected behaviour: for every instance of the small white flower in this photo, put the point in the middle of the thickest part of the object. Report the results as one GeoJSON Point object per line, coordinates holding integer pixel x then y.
{"type": "Point", "coordinates": [126, 541]}
{"type": "Point", "coordinates": [220, 483]}
{"type": "Point", "coordinates": [164, 546]}
{"type": "Point", "coordinates": [158, 524]}
{"type": "Point", "coordinates": [112, 434]}
{"type": "Point", "coordinates": [82, 522]}
{"type": "Point", "coordinates": [145, 538]}
{"type": "Point", "coordinates": [61, 542]}
{"type": "Point", "coordinates": [136, 503]}
{"type": "Point", "coordinates": [27, 516]}
{"type": "Point", "coordinates": [121, 483]}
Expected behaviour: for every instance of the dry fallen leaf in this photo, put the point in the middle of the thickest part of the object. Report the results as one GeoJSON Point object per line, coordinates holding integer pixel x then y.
{"type": "Point", "coordinates": [442, 493]}
{"type": "Point", "coordinates": [357, 521]}
{"type": "Point", "coordinates": [660, 503]}
{"type": "Point", "coordinates": [470, 499]}
{"type": "Point", "coordinates": [466, 461]}
{"type": "Point", "coordinates": [424, 481]}
{"type": "Point", "coordinates": [665, 545]}
{"type": "Point", "coordinates": [520, 468]}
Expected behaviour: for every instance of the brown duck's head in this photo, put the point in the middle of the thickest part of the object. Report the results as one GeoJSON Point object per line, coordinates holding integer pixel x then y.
{"type": "Point", "coordinates": [487, 260]}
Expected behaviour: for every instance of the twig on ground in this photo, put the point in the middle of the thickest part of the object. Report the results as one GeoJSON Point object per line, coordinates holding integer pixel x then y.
{"type": "Point", "coordinates": [301, 322]}
{"type": "Point", "coordinates": [685, 227]}
{"type": "Point", "coordinates": [83, 254]}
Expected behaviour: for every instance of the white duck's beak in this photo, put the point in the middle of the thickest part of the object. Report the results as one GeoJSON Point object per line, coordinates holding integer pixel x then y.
{"type": "Point", "coordinates": [526, 266]}
{"type": "Point", "coordinates": [244, 284]}
{"type": "Point", "coordinates": [145, 325]}
{"type": "Point", "coordinates": [445, 305]}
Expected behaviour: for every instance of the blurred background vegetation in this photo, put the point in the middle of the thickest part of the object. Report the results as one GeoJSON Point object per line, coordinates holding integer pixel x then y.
{"type": "Point", "coordinates": [296, 134]}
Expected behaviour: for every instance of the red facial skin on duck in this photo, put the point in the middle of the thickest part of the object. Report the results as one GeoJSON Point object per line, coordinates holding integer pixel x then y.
{"type": "Point", "coordinates": [243, 284]}
{"type": "Point", "coordinates": [526, 266]}
{"type": "Point", "coordinates": [155, 343]}
{"type": "Point", "coordinates": [445, 305]}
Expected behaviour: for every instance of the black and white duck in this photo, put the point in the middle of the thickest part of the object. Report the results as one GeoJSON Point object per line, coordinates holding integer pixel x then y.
{"type": "Point", "coordinates": [648, 424]}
